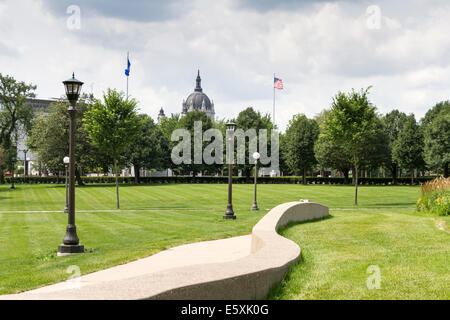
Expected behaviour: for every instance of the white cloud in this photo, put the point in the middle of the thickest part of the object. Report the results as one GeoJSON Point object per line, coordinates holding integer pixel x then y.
{"type": "Point", "coordinates": [316, 48]}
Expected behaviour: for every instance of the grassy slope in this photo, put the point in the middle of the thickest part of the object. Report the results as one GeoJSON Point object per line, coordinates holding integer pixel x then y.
{"type": "Point", "coordinates": [160, 216]}
{"type": "Point", "coordinates": [412, 254]}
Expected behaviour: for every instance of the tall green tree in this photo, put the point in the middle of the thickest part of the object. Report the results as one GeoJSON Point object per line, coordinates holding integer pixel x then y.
{"type": "Point", "coordinates": [188, 123]}
{"type": "Point", "coordinates": [249, 118]}
{"type": "Point", "coordinates": [301, 135]}
{"type": "Point", "coordinates": [436, 131]}
{"type": "Point", "coordinates": [351, 123]}
{"type": "Point", "coordinates": [393, 123]}
{"type": "Point", "coordinates": [49, 138]}
{"type": "Point", "coordinates": [150, 148]}
{"type": "Point", "coordinates": [408, 148]}
{"type": "Point", "coordinates": [112, 126]}
{"type": "Point", "coordinates": [15, 115]}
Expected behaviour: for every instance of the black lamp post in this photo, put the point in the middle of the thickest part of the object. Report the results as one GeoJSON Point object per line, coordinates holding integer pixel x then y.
{"type": "Point", "coordinates": [66, 161]}
{"type": "Point", "coordinates": [25, 163]}
{"type": "Point", "coordinates": [256, 156]}
{"type": "Point", "coordinates": [71, 243]}
{"type": "Point", "coordinates": [229, 214]}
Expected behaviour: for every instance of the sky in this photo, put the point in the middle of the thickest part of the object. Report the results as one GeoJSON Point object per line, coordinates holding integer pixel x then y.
{"type": "Point", "coordinates": [318, 48]}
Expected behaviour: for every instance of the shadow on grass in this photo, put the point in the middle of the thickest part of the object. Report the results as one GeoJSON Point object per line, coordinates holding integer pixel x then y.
{"type": "Point", "coordinates": [291, 224]}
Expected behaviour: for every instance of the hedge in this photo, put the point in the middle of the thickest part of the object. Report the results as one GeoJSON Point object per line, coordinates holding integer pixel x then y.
{"type": "Point", "coordinates": [224, 179]}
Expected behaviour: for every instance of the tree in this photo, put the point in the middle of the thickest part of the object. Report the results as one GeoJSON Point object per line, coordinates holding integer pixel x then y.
{"type": "Point", "coordinates": [301, 135]}
{"type": "Point", "coordinates": [393, 123]}
{"type": "Point", "coordinates": [251, 119]}
{"type": "Point", "coordinates": [150, 148]}
{"type": "Point", "coordinates": [331, 155]}
{"type": "Point", "coordinates": [351, 123]}
{"type": "Point", "coordinates": [15, 115]}
{"type": "Point", "coordinates": [49, 138]}
{"type": "Point", "coordinates": [408, 148]}
{"type": "Point", "coordinates": [436, 131]}
{"type": "Point", "coordinates": [188, 123]}
{"type": "Point", "coordinates": [112, 127]}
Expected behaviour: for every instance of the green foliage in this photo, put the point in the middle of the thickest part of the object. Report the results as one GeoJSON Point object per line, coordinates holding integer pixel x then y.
{"type": "Point", "coordinates": [15, 114]}
{"type": "Point", "coordinates": [150, 147]}
{"type": "Point", "coordinates": [408, 148]}
{"type": "Point", "coordinates": [249, 118]}
{"type": "Point", "coordinates": [351, 124]}
{"type": "Point", "coordinates": [187, 122]}
{"type": "Point", "coordinates": [436, 130]}
{"type": "Point", "coordinates": [393, 123]}
{"type": "Point", "coordinates": [301, 135]}
{"type": "Point", "coordinates": [435, 197]}
{"type": "Point", "coordinates": [112, 125]}
{"type": "Point", "coordinates": [49, 137]}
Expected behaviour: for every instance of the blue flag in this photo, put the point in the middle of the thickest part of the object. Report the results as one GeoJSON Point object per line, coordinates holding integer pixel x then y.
{"type": "Point", "coordinates": [127, 70]}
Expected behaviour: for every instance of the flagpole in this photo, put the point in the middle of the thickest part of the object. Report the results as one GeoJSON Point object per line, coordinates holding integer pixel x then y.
{"type": "Point", "coordinates": [273, 113]}
{"type": "Point", "coordinates": [128, 59]}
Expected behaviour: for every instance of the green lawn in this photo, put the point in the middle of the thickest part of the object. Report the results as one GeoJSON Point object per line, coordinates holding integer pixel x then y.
{"type": "Point", "coordinates": [384, 231]}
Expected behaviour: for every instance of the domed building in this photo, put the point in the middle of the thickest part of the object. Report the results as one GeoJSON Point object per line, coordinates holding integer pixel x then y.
{"type": "Point", "coordinates": [198, 100]}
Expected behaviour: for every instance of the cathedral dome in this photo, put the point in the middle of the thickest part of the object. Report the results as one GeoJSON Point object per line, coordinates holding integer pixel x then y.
{"type": "Point", "coordinates": [198, 100]}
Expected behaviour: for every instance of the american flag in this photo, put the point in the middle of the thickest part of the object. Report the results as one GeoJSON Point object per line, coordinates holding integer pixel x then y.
{"type": "Point", "coordinates": [277, 83]}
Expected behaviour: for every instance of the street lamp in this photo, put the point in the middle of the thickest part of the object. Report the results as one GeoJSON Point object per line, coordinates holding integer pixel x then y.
{"type": "Point", "coordinates": [231, 126]}
{"type": "Point", "coordinates": [25, 165]}
{"type": "Point", "coordinates": [71, 243]}
{"type": "Point", "coordinates": [66, 161]}
{"type": "Point", "coordinates": [256, 156]}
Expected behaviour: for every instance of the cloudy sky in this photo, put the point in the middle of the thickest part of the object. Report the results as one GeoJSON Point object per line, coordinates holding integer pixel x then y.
{"type": "Point", "coordinates": [318, 48]}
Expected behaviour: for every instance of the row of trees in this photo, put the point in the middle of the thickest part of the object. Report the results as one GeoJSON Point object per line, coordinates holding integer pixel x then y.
{"type": "Point", "coordinates": [351, 135]}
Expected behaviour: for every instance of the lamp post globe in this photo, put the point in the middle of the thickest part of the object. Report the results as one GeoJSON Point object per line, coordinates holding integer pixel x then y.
{"type": "Point", "coordinates": [256, 156]}
{"type": "Point", "coordinates": [71, 243]}
{"type": "Point", "coordinates": [229, 213]}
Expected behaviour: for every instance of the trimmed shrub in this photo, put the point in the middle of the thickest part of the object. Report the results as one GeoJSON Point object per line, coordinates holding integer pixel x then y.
{"type": "Point", "coordinates": [220, 179]}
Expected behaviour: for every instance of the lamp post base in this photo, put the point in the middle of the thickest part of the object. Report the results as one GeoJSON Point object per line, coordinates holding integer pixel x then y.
{"type": "Point", "coordinates": [254, 207]}
{"type": "Point", "coordinates": [229, 214]}
{"type": "Point", "coordinates": [66, 249]}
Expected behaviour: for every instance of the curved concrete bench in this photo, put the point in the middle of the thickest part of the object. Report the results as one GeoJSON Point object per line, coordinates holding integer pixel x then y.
{"type": "Point", "coordinates": [270, 257]}
{"type": "Point", "coordinates": [248, 277]}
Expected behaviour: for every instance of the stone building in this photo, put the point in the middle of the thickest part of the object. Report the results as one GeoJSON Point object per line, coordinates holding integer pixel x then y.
{"type": "Point", "coordinates": [198, 100]}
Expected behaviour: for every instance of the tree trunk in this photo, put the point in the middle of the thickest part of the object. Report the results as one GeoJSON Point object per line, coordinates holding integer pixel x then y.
{"type": "Point", "coordinates": [13, 187]}
{"type": "Point", "coordinates": [78, 177]}
{"type": "Point", "coordinates": [356, 180]}
{"type": "Point", "coordinates": [137, 174]}
{"type": "Point", "coordinates": [117, 183]}
{"type": "Point", "coordinates": [412, 177]}
{"type": "Point", "coordinates": [446, 170]}
{"type": "Point", "coordinates": [304, 175]}
{"type": "Point", "coordinates": [394, 170]}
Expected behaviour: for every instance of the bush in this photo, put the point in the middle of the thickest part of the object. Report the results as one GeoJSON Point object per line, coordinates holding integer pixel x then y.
{"type": "Point", "coordinates": [435, 197]}
{"type": "Point", "coordinates": [220, 179]}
